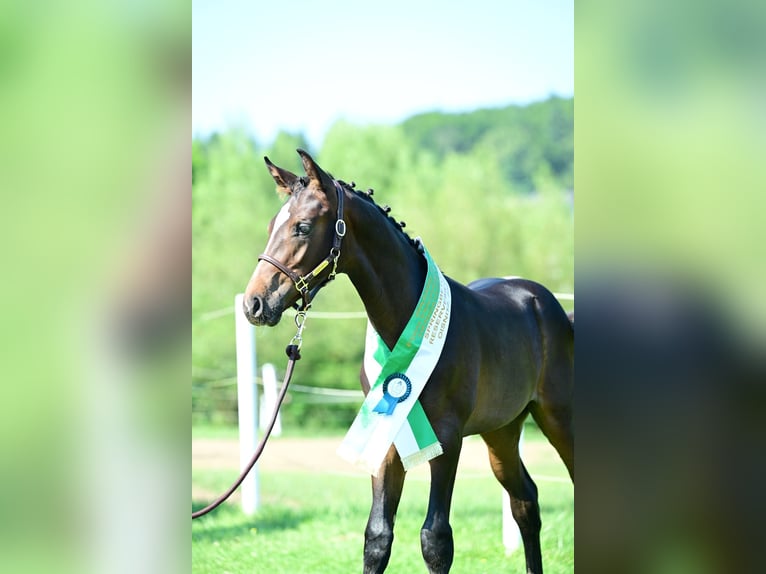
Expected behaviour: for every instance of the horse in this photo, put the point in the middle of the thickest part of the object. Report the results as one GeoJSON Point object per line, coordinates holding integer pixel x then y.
{"type": "Point", "coordinates": [508, 353]}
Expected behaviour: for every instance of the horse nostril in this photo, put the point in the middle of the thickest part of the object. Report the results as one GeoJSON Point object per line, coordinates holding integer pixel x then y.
{"type": "Point", "coordinates": [253, 306]}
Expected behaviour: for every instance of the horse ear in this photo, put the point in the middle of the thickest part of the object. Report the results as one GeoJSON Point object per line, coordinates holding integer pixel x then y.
{"type": "Point", "coordinates": [315, 172]}
{"type": "Point", "coordinates": [284, 179]}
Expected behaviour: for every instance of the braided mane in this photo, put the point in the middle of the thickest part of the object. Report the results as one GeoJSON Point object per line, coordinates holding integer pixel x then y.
{"type": "Point", "coordinates": [303, 182]}
{"type": "Point", "coordinates": [384, 210]}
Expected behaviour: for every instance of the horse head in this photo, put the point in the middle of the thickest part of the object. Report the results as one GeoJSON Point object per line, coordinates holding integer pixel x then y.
{"type": "Point", "coordinates": [303, 246]}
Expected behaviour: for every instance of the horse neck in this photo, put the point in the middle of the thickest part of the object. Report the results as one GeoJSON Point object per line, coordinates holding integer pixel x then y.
{"type": "Point", "coordinates": [386, 271]}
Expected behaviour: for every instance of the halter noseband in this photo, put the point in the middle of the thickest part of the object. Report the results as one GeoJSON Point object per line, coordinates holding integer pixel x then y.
{"type": "Point", "coordinates": [302, 282]}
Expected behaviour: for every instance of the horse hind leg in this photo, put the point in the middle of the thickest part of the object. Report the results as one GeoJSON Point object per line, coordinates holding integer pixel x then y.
{"type": "Point", "coordinates": [552, 406]}
{"type": "Point", "coordinates": [386, 494]}
{"type": "Point", "coordinates": [503, 447]}
{"type": "Point", "coordinates": [552, 411]}
{"type": "Point", "coordinates": [556, 424]}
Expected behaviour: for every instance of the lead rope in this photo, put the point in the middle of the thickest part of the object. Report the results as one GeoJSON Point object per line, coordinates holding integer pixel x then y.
{"type": "Point", "coordinates": [293, 351]}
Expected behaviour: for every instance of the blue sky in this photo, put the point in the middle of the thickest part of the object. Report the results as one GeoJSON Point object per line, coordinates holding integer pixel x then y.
{"type": "Point", "coordinates": [300, 65]}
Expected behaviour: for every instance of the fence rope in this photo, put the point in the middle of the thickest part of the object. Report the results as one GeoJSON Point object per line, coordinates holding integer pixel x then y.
{"type": "Point", "coordinates": [331, 392]}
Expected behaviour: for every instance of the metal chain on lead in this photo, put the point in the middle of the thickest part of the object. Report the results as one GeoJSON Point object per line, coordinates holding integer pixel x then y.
{"type": "Point", "coordinates": [300, 322]}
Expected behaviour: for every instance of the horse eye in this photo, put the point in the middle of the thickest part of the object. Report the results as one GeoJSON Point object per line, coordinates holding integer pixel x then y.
{"type": "Point", "coordinates": [302, 229]}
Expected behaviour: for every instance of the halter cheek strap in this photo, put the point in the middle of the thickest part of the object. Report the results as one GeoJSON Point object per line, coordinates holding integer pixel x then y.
{"type": "Point", "coordinates": [302, 282]}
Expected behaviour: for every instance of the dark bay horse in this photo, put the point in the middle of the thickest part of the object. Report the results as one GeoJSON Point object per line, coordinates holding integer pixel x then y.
{"type": "Point", "coordinates": [508, 351]}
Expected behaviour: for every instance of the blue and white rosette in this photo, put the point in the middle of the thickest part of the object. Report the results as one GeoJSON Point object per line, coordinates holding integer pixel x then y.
{"type": "Point", "coordinates": [396, 388]}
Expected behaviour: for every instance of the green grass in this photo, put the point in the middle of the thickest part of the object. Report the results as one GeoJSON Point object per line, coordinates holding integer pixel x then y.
{"type": "Point", "coordinates": [315, 524]}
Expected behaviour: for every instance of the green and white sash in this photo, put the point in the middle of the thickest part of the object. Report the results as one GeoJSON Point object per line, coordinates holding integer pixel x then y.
{"type": "Point", "coordinates": [391, 412]}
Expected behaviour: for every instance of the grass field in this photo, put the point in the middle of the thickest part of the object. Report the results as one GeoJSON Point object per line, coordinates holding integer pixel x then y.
{"type": "Point", "coordinates": [315, 524]}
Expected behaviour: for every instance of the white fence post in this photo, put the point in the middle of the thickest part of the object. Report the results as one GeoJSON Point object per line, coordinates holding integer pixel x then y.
{"type": "Point", "coordinates": [270, 399]}
{"type": "Point", "coordinates": [511, 533]}
{"type": "Point", "coordinates": [247, 404]}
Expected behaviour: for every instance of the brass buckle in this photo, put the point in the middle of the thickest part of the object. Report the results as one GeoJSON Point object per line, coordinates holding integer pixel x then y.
{"type": "Point", "coordinates": [301, 285]}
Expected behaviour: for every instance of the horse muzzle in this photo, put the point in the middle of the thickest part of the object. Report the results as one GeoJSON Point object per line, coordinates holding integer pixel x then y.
{"type": "Point", "coordinates": [259, 312]}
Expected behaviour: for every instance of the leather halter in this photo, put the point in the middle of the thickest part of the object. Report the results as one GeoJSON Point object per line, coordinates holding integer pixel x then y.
{"type": "Point", "coordinates": [302, 282]}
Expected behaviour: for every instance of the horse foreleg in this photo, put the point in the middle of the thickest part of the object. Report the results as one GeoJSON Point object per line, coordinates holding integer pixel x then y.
{"type": "Point", "coordinates": [436, 535]}
{"type": "Point", "coordinates": [386, 493]}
